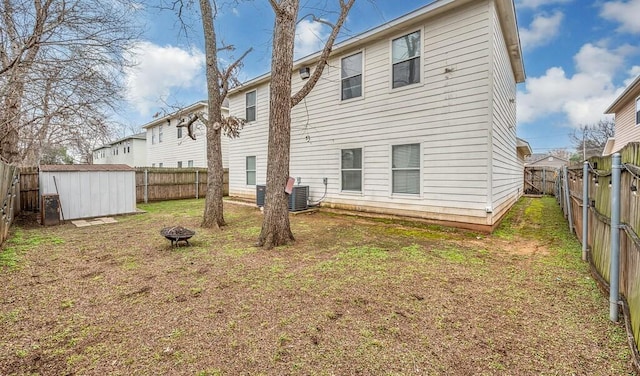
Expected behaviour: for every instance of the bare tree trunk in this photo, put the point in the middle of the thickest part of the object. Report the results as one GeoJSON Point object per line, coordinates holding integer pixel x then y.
{"type": "Point", "coordinates": [276, 229]}
{"type": "Point", "coordinates": [213, 211]}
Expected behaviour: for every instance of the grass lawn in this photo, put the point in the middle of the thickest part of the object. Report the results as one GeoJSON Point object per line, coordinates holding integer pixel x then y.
{"type": "Point", "coordinates": [352, 297]}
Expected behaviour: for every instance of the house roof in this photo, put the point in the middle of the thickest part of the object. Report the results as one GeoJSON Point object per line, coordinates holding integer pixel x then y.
{"type": "Point", "coordinates": [535, 158]}
{"type": "Point", "coordinates": [137, 136]}
{"type": "Point", "coordinates": [162, 119]}
{"type": "Point", "coordinates": [630, 93]}
{"type": "Point", "coordinates": [506, 12]}
{"type": "Point", "coordinates": [86, 167]}
{"type": "Point", "coordinates": [523, 146]}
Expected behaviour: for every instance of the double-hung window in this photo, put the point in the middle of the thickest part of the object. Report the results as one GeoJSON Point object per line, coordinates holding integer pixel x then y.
{"type": "Point", "coordinates": [250, 106]}
{"type": "Point", "coordinates": [160, 134]}
{"type": "Point", "coordinates": [638, 111]}
{"type": "Point", "coordinates": [153, 136]}
{"type": "Point", "coordinates": [351, 170]}
{"type": "Point", "coordinates": [251, 170]}
{"type": "Point", "coordinates": [352, 76]}
{"type": "Point", "coordinates": [405, 53]}
{"type": "Point", "coordinates": [405, 169]}
{"type": "Point", "coordinates": [190, 163]}
{"type": "Point", "coordinates": [179, 132]}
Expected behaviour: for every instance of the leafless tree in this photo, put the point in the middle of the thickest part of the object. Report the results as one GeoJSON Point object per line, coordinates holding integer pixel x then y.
{"type": "Point", "coordinates": [276, 229]}
{"type": "Point", "coordinates": [60, 63]}
{"type": "Point", "coordinates": [590, 139]}
{"type": "Point", "coordinates": [219, 80]}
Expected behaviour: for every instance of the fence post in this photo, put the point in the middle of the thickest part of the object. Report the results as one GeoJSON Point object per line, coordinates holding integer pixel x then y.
{"type": "Point", "coordinates": [585, 209]}
{"type": "Point", "coordinates": [614, 271]}
{"type": "Point", "coordinates": [197, 184]}
{"type": "Point", "coordinates": [567, 198]}
{"type": "Point", "coordinates": [146, 186]}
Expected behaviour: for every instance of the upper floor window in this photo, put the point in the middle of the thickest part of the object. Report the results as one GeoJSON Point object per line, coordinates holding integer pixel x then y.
{"type": "Point", "coordinates": [351, 169]}
{"type": "Point", "coordinates": [405, 53]}
{"type": "Point", "coordinates": [352, 76]}
{"type": "Point", "coordinates": [251, 106]}
{"type": "Point", "coordinates": [405, 168]}
{"type": "Point", "coordinates": [153, 136]}
{"type": "Point", "coordinates": [638, 111]}
{"type": "Point", "coordinates": [179, 132]}
{"type": "Point", "coordinates": [190, 163]}
{"type": "Point", "coordinates": [160, 134]}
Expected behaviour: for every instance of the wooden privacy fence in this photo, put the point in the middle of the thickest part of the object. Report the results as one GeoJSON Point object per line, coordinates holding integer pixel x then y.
{"type": "Point", "coordinates": [599, 226]}
{"type": "Point", "coordinates": [157, 184]}
{"type": "Point", "coordinates": [29, 189]}
{"type": "Point", "coordinates": [540, 180]}
{"type": "Point", "coordinates": [9, 194]}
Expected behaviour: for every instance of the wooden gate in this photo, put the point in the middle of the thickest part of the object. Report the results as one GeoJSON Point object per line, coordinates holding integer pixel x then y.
{"type": "Point", "coordinates": [540, 180]}
{"type": "Point", "coordinates": [29, 189]}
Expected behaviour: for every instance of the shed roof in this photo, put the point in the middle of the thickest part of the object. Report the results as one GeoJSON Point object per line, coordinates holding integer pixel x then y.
{"type": "Point", "coordinates": [506, 12]}
{"type": "Point", "coordinates": [86, 167]}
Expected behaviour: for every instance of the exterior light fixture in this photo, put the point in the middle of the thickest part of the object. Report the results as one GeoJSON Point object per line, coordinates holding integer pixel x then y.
{"type": "Point", "coordinates": [304, 73]}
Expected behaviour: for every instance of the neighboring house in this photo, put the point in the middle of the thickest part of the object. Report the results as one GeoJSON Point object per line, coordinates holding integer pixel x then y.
{"type": "Point", "coordinates": [546, 160]}
{"type": "Point", "coordinates": [171, 146]}
{"type": "Point", "coordinates": [627, 112]}
{"type": "Point", "coordinates": [130, 150]}
{"type": "Point", "coordinates": [415, 118]}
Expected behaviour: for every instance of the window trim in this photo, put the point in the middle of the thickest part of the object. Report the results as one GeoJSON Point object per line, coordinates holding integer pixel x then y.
{"type": "Point", "coordinates": [255, 106]}
{"type": "Point", "coordinates": [349, 147]}
{"type": "Point", "coordinates": [246, 170]}
{"type": "Point", "coordinates": [420, 59]}
{"type": "Point", "coordinates": [361, 77]}
{"type": "Point", "coordinates": [420, 170]}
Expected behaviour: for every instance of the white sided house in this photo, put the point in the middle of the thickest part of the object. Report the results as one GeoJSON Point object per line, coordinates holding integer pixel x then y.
{"type": "Point", "coordinates": [131, 151]}
{"type": "Point", "coordinates": [414, 118]}
{"type": "Point", "coordinates": [171, 146]}
{"type": "Point", "coordinates": [626, 109]}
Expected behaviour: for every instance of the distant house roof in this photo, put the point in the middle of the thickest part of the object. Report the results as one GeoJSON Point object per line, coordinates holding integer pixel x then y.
{"type": "Point", "coordinates": [630, 93]}
{"type": "Point", "coordinates": [137, 136]}
{"type": "Point", "coordinates": [86, 167]}
{"type": "Point", "coordinates": [506, 12]}
{"type": "Point", "coordinates": [542, 159]}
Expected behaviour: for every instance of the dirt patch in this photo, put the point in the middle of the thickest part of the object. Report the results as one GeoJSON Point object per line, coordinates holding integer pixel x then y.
{"type": "Point", "coordinates": [349, 297]}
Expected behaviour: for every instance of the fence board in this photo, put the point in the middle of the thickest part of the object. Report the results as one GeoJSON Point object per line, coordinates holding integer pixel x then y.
{"type": "Point", "coordinates": [540, 180]}
{"type": "Point", "coordinates": [8, 195]}
{"type": "Point", "coordinates": [174, 183]}
{"type": "Point", "coordinates": [599, 227]}
{"type": "Point", "coordinates": [29, 189]}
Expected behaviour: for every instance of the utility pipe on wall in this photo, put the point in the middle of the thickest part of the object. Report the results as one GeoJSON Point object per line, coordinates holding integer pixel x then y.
{"type": "Point", "coordinates": [614, 270]}
{"type": "Point", "coordinates": [585, 209]}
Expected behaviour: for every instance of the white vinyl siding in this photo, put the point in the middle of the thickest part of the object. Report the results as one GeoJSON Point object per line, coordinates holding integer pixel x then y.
{"type": "Point", "coordinates": [626, 129]}
{"type": "Point", "coordinates": [174, 148]}
{"type": "Point", "coordinates": [251, 170]}
{"type": "Point", "coordinates": [405, 60]}
{"type": "Point", "coordinates": [405, 169]}
{"type": "Point", "coordinates": [250, 111]}
{"type": "Point", "coordinates": [449, 115]}
{"type": "Point", "coordinates": [351, 169]}
{"type": "Point", "coordinates": [351, 70]}
{"type": "Point", "coordinates": [506, 169]}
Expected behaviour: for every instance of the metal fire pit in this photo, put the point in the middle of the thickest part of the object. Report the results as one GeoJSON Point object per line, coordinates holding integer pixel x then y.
{"type": "Point", "coordinates": [176, 234]}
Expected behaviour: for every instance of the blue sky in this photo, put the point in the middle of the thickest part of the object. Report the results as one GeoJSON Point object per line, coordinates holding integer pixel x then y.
{"type": "Point", "coordinates": [579, 55]}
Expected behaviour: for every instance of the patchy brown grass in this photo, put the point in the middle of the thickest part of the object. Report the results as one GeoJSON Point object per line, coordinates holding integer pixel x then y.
{"type": "Point", "coordinates": [352, 296]}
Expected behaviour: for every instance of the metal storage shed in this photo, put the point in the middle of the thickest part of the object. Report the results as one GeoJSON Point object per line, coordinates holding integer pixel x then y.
{"type": "Point", "coordinates": [87, 191]}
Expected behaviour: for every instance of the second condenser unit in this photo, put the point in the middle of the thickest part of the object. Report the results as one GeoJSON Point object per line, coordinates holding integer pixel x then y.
{"type": "Point", "coordinates": [298, 199]}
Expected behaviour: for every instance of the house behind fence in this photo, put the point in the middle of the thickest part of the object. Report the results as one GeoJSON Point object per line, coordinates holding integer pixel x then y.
{"type": "Point", "coordinates": [599, 224]}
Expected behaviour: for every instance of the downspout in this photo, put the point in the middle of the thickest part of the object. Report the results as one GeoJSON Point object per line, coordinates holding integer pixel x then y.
{"type": "Point", "coordinates": [614, 268]}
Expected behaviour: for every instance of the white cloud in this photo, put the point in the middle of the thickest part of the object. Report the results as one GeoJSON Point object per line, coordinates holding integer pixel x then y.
{"type": "Point", "coordinates": [540, 3]}
{"type": "Point", "coordinates": [159, 70]}
{"type": "Point", "coordinates": [543, 29]}
{"type": "Point", "coordinates": [581, 98]}
{"type": "Point", "coordinates": [310, 37]}
{"type": "Point", "coordinates": [624, 12]}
